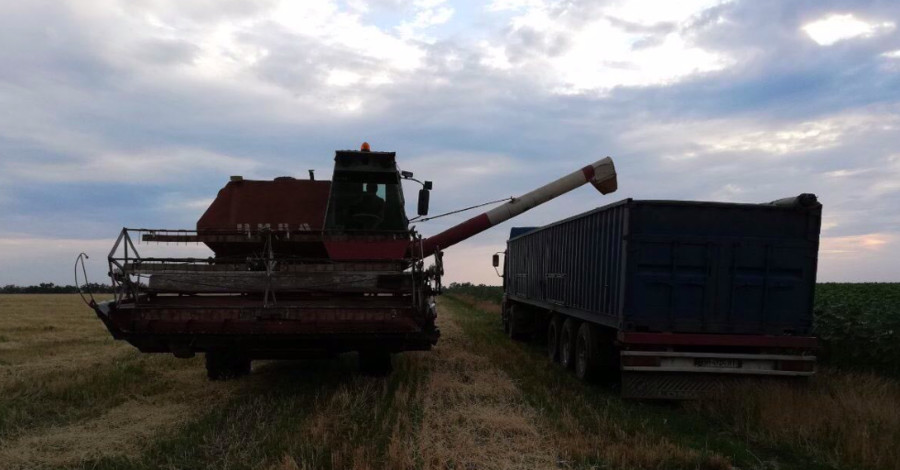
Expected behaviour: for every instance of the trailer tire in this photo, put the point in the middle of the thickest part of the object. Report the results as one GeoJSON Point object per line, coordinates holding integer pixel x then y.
{"type": "Point", "coordinates": [375, 363]}
{"type": "Point", "coordinates": [553, 328]}
{"type": "Point", "coordinates": [504, 317]}
{"type": "Point", "coordinates": [567, 337]}
{"type": "Point", "coordinates": [587, 353]}
{"type": "Point", "coordinates": [516, 327]}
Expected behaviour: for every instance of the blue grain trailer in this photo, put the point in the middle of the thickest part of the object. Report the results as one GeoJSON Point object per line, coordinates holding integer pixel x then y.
{"type": "Point", "coordinates": [676, 296]}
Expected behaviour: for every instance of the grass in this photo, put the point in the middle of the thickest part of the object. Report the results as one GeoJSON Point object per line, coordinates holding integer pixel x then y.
{"type": "Point", "coordinates": [589, 427]}
{"type": "Point", "coordinates": [292, 415]}
{"type": "Point", "coordinates": [72, 398]}
{"type": "Point", "coordinates": [844, 419]}
{"type": "Point", "coordinates": [54, 399]}
{"type": "Point", "coordinates": [840, 419]}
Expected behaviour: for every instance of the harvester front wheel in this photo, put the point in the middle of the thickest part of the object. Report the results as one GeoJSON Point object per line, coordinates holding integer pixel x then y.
{"type": "Point", "coordinates": [241, 366]}
{"type": "Point", "coordinates": [375, 363]}
{"type": "Point", "coordinates": [222, 365]}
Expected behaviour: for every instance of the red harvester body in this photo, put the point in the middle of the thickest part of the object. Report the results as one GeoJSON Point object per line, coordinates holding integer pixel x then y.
{"type": "Point", "coordinates": [300, 268]}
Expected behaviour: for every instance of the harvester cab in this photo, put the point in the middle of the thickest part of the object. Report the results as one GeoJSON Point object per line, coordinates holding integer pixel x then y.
{"type": "Point", "coordinates": [366, 193]}
{"type": "Point", "coordinates": [300, 268]}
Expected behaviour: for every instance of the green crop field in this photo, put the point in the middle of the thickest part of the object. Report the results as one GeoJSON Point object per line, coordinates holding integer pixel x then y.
{"type": "Point", "coordinates": [71, 397]}
{"type": "Point", "coordinates": [859, 325]}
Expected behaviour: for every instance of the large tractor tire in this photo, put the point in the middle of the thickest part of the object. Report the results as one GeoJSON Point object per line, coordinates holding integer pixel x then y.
{"type": "Point", "coordinates": [375, 363]}
{"type": "Point", "coordinates": [567, 338]}
{"type": "Point", "coordinates": [225, 365]}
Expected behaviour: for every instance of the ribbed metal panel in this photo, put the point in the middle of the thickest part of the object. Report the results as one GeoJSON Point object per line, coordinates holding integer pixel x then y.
{"type": "Point", "coordinates": [573, 263]}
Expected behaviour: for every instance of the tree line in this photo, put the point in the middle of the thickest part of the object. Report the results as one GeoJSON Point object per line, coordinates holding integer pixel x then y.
{"type": "Point", "coordinates": [51, 288]}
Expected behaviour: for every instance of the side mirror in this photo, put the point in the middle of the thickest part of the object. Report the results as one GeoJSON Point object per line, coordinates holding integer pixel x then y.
{"type": "Point", "coordinates": [424, 196]}
{"type": "Point", "coordinates": [496, 260]}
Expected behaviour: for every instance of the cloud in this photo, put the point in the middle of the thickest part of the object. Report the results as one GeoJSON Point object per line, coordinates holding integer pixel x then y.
{"type": "Point", "coordinates": [141, 168]}
{"type": "Point", "coordinates": [428, 13]}
{"type": "Point", "coordinates": [854, 244]}
{"type": "Point", "coordinates": [800, 137]}
{"type": "Point", "coordinates": [852, 258]}
{"type": "Point", "coordinates": [583, 49]}
{"type": "Point", "coordinates": [836, 28]}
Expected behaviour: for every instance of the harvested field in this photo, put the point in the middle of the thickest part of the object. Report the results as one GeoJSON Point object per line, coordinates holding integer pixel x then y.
{"type": "Point", "coordinates": [71, 397]}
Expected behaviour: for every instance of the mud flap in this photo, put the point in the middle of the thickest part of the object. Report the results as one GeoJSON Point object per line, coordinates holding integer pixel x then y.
{"type": "Point", "coordinates": [671, 385]}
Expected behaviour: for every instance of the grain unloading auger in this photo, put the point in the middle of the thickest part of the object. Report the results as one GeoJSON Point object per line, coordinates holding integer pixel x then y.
{"type": "Point", "coordinates": [301, 268]}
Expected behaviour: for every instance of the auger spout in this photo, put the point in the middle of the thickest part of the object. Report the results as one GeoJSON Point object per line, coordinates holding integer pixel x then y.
{"type": "Point", "coordinates": [601, 174]}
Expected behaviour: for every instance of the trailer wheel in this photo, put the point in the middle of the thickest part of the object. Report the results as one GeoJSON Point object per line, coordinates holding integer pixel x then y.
{"type": "Point", "coordinates": [517, 327]}
{"type": "Point", "coordinates": [567, 343]}
{"type": "Point", "coordinates": [504, 317]}
{"type": "Point", "coordinates": [587, 353]}
{"type": "Point", "coordinates": [553, 338]}
{"type": "Point", "coordinates": [375, 363]}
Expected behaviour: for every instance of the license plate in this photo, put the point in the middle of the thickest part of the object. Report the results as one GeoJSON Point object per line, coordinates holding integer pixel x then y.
{"type": "Point", "coordinates": [718, 363]}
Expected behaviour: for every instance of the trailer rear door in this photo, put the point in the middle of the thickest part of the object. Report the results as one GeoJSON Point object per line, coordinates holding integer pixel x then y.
{"type": "Point", "coordinates": [721, 268]}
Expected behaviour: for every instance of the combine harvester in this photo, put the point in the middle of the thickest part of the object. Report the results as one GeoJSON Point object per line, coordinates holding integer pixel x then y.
{"type": "Point", "coordinates": [301, 268]}
{"type": "Point", "coordinates": [672, 297]}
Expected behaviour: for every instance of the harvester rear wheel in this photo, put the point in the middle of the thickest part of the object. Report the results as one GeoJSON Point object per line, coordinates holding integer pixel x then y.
{"type": "Point", "coordinates": [567, 343]}
{"type": "Point", "coordinates": [375, 363]}
{"type": "Point", "coordinates": [553, 338]}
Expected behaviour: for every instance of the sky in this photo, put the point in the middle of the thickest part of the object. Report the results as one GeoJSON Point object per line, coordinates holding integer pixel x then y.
{"type": "Point", "coordinates": [136, 112]}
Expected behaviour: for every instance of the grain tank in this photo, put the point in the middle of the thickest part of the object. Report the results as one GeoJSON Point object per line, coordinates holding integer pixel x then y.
{"type": "Point", "coordinates": [301, 268]}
